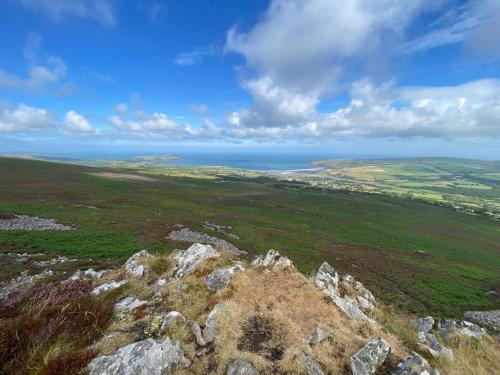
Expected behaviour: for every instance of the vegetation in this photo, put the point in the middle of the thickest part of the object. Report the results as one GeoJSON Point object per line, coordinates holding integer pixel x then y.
{"type": "Point", "coordinates": [423, 258]}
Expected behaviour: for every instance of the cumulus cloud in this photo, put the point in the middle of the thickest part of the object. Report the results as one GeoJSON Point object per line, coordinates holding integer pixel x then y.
{"type": "Point", "coordinates": [199, 108]}
{"type": "Point", "coordinates": [77, 124]}
{"type": "Point", "coordinates": [101, 11]}
{"type": "Point", "coordinates": [25, 119]}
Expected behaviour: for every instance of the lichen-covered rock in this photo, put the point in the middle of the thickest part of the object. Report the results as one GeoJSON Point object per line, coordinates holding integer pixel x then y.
{"type": "Point", "coordinates": [145, 357]}
{"type": "Point", "coordinates": [319, 336]}
{"type": "Point", "coordinates": [450, 327]}
{"type": "Point", "coordinates": [240, 367]}
{"type": "Point", "coordinates": [274, 261]}
{"type": "Point", "coordinates": [423, 324]}
{"type": "Point", "coordinates": [170, 319]}
{"type": "Point", "coordinates": [29, 223]}
{"type": "Point", "coordinates": [196, 330]}
{"type": "Point", "coordinates": [312, 367]}
{"type": "Point", "coordinates": [187, 260]}
{"type": "Point", "coordinates": [129, 303]}
{"type": "Point", "coordinates": [221, 277]}
{"type": "Point", "coordinates": [428, 342]}
{"type": "Point", "coordinates": [329, 281]}
{"type": "Point", "coordinates": [136, 265]}
{"type": "Point", "coordinates": [490, 318]}
{"type": "Point", "coordinates": [187, 235]}
{"type": "Point", "coordinates": [106, 287]}
{"type": "Point", "coordinates": [212, 324]}
{"type": "Point", "coordinates": [22, 282]}
{"type": "Point", "coordinates": [413, 365]}
{"type": "Point", "coordinates": [370, 357]}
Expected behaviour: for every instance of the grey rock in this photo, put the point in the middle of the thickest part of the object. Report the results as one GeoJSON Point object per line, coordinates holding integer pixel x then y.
{"type": "Point", "coordinates": [196, 330]}
{"type": "Point", "coordinates": [489, 318]}
{"type": "Point", "coordinates": [22, 282]}
{"type": "Point", "coordinates": [224, 229]}
{"type": "Point", "coordinates": [319, 336]}
{"type": "Point", "coordinates": [170, 319]}
{"type": "Point", "coordinates": [413, 365]}
{"type": "Point", "coordinates": [428, 342]}
{"type": "Point", "coordinates": [145, 357]}
{"type": "Point", "coordinates": [240, 367]}
{"type": "Point", "coordinates": [129, 303]}
{"type": "Point", "coordinates": [450, 327]}
{"type": "Point", "coordinates": [370, 357]}
{"type": "Point", "coordinates": [212, 324]}
{"type": "Point", "coordinates": [106, 287]}
{"type": "Point", "coordinates": [423, 324]}
{"type": "Point", "coordinates": [29, 223]}
{"type": "Point", "coordinates": [187, 260]}
{"type": "Point", "coordinates": [312, 367]}
{"type": "Point", "coordinates": [221, 277]}
{"type": "Point", "coordinates": [274, 261]}
{"type": "Point", "coordinates": [53, 262]}
{"type": "Point", "coordinates": [187, 235]}
{"type": "Point", "coordinates": [135, 266]}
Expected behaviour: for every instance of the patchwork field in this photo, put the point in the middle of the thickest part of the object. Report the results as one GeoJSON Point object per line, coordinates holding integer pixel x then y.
{"type": "Point", "coordinates": [421, 257]}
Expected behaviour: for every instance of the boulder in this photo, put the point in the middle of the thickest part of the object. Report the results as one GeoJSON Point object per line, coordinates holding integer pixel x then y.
{"type": "Point", "coordinates": [489, 318]}
{"type": "Point", "coordinates": [423, 324]}
{"type": "Point", "coordinates": [240, 367]}
{"type": "Point", "coordinates": [428, 342]}
{"type": "Point", "coordinates": [363, 296]}
{"type": "Point", "coordinates": [370, 357]}
{"type": "Point", "coordinates": [312, 367]}
{"type": "Point", "coordinates": [319, 336]}
{"type": "Point", "coordinates": [129, 303]}
{"type": "Point", "coordinates": [145, 357]}
{"type": "Point", "coordinates": [187, 235]}
{"type": "Point", "coordinates": [221, 277]}
{"type": "Point", "coordinates": [450, 327]}
{"type": "Point", "coordinates": [329, 281]}
{"type": "Point", "coordinates": [170, 319]}
{"type": "Point", "coordinates": [413, 365]}
{"type": "Point", "coordinates": [274, 261]}
{"type": "Point", "coordinates": [212, 324]}
{"type": "Point", "coordinates": [106, 287]}
{"type": "Point", "coordinates": [196, 330]}
{"type": "Point", "coordinates": [92, 274]}
{"type": "Point", "coordinates": [135, 266]}
{"type": "Point", "coordinates": [187, 260]}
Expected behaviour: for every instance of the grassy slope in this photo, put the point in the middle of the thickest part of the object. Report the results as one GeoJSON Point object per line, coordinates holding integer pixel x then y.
{"type": "Point", "coordinates": [372, 237]}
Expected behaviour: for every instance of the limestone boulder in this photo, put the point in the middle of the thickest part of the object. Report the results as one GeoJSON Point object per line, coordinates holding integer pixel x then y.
{"type": "Point", "coordinates": [370, 357]}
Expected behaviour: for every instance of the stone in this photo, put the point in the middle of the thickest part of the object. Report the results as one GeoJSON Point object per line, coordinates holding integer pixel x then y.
{"type": "Point", "coordinates": [240, 367]}
{"type": "Point", "coordinates": [221, 277]}
{"type": "Point", "coordinates": [187, 235]}
{"type": "Point", "coordinates": [187, 260]}
{"type": "Point", "coordinates": [370, 357]}
{"type": "Point", "coordinates": [135, 266]}
{"type": "Point", "coordinates": [212, 324]}
{"type": "Point", "coordinates": [450, 327]}
{"type": "Point", "coordinates": [145, 357]}
{"type": "Point", "coordinates": [274, 261]}
{"type": "Point", "coordinates": [423, 324]}
{"type": "Point", "coordinates": [312, 367]}
{"type": "Point", "coordinates": [414, 364]}
{"type": "Point", "coordinates": [429, 343]}
{"type": "Point", "coordinates": [489, 318]}
{"type": "Point", "coordinates": [319, 336]}
{"type": "Point", "coordinates": [129, 303]}
{"type": "Point", "coordinates": [329, 281]}
{"type": "Point", "coordinates": [92, 274]}
{"type": "Point", "coordinates": [30, 223]}
{"type": "Point", "coordinates": [22, 282]}
{"type": "Point", "coordinates": [106, 287]}
{"type": "Point", "coordinates": [196, 330]}
{"type": "Point", "coordinates": [170, 319]}
{"type": "Point", "coordinates": [53, 262]}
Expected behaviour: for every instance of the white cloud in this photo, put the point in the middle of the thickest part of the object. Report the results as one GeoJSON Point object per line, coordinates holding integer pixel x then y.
{"type": "Point", "coordinates": [199, 108]}
{"type": "Point", "coordinates": [194, 57]}
{"type": "Point", "coordinates": [76, 124]}
{"type": "Point", "coordinates": [101, 11]}
{"type": "Point", "coordinates": [25, 119]}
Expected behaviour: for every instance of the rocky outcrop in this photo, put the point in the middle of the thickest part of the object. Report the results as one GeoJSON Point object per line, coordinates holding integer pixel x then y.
{"type": "Point", "coordinates": [312, 367]}
{"type": "Point", "coordinates": [187, 260]}
{"type": "Point", "coordinates": [106, 287]}
{"type": "Point", "coordinates": [145, 357]}
{"type": "Point", "coordinates": [370, 357]}
{"type": "Point", "coordinates": [429, 343]}
{"type": "Point", "coordinates": [22, 282]}
{"type": "Point", "coordinates": [240, 367]}
{"type": "Point", "coordinates": [354, 302]}
{"type": "Point", "coordinates": [212, 324]}
{"type": "Point", "coordinates": [489, 318]}
{"type": "Point", "coordinates": [136, 265]}
{"type": "Point", "coordinates": [196, 330]}
{"type": "Point", "coordinates": [29, 223]}
{"type": "Point", "coordinates": [169, 319]}
{"type": "Point", "coordinates": [221, 277]}
{"type": "Point", "coordinates": [187, 235]}
{"type": "Point", "coordinates": [52, 262]}
{"type": "Point", "coordinates": [224, 229]}
{"type": "Point", "coordinates": [129, 303]}
{"type": "Point", "coordinates": [319, 336]}
{"type": "Point", "coordinates": [424, 325]}
{"type": "Point", "coordinates": [413, 365]}
{"type": "Point", "coordinates": [273, 261]}
{"type": "Point", "coordinates": [450, 327]}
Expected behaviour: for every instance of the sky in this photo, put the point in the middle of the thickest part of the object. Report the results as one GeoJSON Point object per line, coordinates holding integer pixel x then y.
{"type": "Point", "coordinates": [381, 77]}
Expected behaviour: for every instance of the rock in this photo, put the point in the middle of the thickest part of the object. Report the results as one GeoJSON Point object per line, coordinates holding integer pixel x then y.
{"type": "Point", "coordinates": [221, 277]}
{"type": "Point", "coordinates": [311, 365]}
{"type": "Point", "coordinates": [212, 324]}
{"type": "Point", "coordinates": [363, 296]}
{"type": "Point", "coordinates": [428, 342]}
{"type": "Point", "coordinates": [319, 336]}
{"type": "Point", "coordinates": [129, 303]}
{"type": "Point", "coordinates": [224, 229]}
{"type": "Point", "coordinates": [145, 357]}
{"type": "Point", "coordinates": [135, 266]}
{"type": "Point", "coordinates": [22, 282]}
{"type": "Point", "coordinates": [423, 324]}
{"type": "Point", "coordinates": [196, 330]}
{"type": "Point", "coordinates": [273, 260]}
{"type": "Point", "coordinates": [29, 223]}
{"type": "Point", "coordinates": [240, 367]}
{"type": "Point", "coordinates": [106, 287]}
{"type": "Point", "coordinates": [170, 319]}
{"type": "Point", "coordinates": [413, 365]}
{"type": "Point", "coordinates": [189, 259]}
{"type": "Point", "coordinates": [329, 281]}
{"type": "Point", "coordinates": [370, 357]}
{"type": "Point", "coordinates": [53, 262]}
{"type": "Point", "coordinates": [450, 327]}
{"type": "Point", "coordinates": [187, 235]}
{"type": "Point", "coordinates": [490, 318]}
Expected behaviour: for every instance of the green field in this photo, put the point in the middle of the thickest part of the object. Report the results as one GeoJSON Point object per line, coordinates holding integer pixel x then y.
{"type": "Point", "coordinates": [421, 257]}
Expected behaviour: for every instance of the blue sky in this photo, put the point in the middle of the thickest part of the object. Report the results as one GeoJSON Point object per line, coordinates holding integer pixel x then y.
{"type": "Point", "coordinates": [359, 76]}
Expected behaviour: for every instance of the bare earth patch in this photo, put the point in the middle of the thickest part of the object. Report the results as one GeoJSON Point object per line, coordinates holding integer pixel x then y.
{"type": "Point", "coordinates": [124, 176]}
